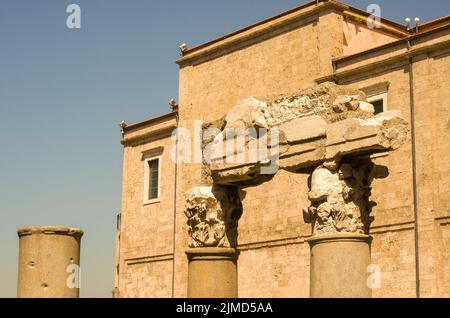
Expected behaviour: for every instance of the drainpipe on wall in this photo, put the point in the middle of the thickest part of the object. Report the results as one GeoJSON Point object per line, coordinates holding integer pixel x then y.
{"type": "Point", "coordinates": [414, 171]}
{"type": "Point", "coordinates": [116, 290]}
{"type": "Point", "coordinates": [175, 208]}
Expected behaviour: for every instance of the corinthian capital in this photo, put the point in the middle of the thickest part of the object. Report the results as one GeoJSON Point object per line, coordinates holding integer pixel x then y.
{"type": "Point", "coordinates": [340, 195]}
{"type": "Point", "coordinates": [213, 213]}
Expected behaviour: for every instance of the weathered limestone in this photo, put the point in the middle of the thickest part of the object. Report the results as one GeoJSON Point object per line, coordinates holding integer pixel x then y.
{"type": "Point", "coordinates": [232, 154]}
{"type": "Point", "coordinates": [213, 213]}
{"type": "Point", "coordinates": [247, 114]}
{"type": "Point", "coordinates": [330, 130]}
{"type": "Point", "coordinates": [298, 132]}
{"type": "Point", "coordinates": [293, 55]}
{"type": "Point", "coordinates": [49, 259]}
{"type": "Point", "coordinates": [340, 217]}
{"type": "Point", "coordinates": [386, 131]}
{"type": "Point", "coordinates": [305, 128]}
{"type": "Point", "coordinates": [339, 266]}
{"type": "Point", "coordinates": [340, 198]}
{"type": "Point", "coordinates": [212, 272]}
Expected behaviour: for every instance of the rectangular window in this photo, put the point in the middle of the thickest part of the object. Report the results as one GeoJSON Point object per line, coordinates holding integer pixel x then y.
{"type": "Point", "coordinates": [152, 179]}
{"type": "Point", "coordinates": [119, 217]}
{"type": "Point", "coordinates": [379, 102]}
{"type": "Point", "coordinates": [153, 165]}
{"type": "Point", "coordinates": [378, 105]}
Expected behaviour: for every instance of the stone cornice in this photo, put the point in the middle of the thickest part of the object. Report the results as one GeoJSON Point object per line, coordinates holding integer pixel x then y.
{"type": "Point", "coordinates": [386, 28]}
{"type": "Point", "coordinates": [395, 227]}
{"type": "Point", "coordinates": [443, 220]}
{"type": "Point", "coordinates": [379, 64]}
{"type": "Point", "coordinates": [239, 38]}
{"type": "Point", "coordinates": [149, 259]}
{"type": "Point", "coordinates": [151, 121]}
{"type": "Point", "coordinates": [305, 11]}
{"type": "Point", "coordinates": [149, 136]}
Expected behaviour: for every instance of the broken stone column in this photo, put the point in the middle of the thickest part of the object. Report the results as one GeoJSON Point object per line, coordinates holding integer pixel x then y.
{"type": "Point", "coordinates": [213, 213]}
{"type": "Point", "coordinates": [49, 259]}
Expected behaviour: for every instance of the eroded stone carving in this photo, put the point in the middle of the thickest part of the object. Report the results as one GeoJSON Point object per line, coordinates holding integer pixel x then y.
{"type": "Point", "coordinates": [339, 196]}
{"type": "Point", "coordinates": [213, 213]}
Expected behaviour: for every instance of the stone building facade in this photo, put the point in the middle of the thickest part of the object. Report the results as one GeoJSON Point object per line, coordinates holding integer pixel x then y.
{"type": "Point", "coordinates": [398, 68]}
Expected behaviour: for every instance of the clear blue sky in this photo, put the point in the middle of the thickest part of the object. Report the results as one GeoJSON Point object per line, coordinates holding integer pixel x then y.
{"type": "Point", "coordinates": [63, 93]}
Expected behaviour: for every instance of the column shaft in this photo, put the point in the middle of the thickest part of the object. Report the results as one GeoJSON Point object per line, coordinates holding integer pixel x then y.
{"type": "Point", "coordinates": [49, 259]}
{"type": "Point", "coordinates": [212, 273]}
{"type": "Point", "coordinates": [339, 266]}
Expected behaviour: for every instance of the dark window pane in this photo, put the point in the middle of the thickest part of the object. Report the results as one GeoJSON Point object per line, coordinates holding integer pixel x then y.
{"type": "Point", "coordinates": [154, 179]}
{"type": "Point", "coordinates": [378, 105]}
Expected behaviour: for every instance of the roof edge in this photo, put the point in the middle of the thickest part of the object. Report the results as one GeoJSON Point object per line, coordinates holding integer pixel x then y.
{"type": "Point", "coordinates": [401, 29]}
{"type": "Point", "coordinates": [153, 120]}
{"type": "Point", "coordinates": [224, 37]}
{"type": "Point", "coordinates": [341, 59]}
{"type": "Point", "coordinates": [434, 23]}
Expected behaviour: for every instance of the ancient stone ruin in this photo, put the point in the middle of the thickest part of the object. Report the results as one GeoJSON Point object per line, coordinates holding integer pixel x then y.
{"type": "Point", "coordinates": [328, 132]}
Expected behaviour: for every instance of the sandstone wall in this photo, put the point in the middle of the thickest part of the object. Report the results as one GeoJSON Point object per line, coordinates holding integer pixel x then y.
{"type": "Point", "coordinates": [394, 247]}
{"type": "Point", "coordinates": [284, 61]}
{"type": "Point", "coordinates": [146, 235]}
{"type": "Point", "coordinates": [358, 38]}
{"type": "Point", "coordinates": [274, 258]}
{"type": "Point", "coordinates": [432, 82]}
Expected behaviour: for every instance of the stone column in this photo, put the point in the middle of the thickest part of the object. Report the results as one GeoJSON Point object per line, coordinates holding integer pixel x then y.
{"type": "Point", "coordinates": [339, 266]}
{"type": "Point", "coordinates": [340, 217]}
{"type": "Point", "coordinates": [213, 213]}
{"type": "Point", "coordinates": [49, 259]}
{"type": "Point", "coordinates": [212, 272]}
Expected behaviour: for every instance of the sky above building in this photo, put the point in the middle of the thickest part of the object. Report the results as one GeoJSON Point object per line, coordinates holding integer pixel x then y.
{"type": "Point", "coordinates": [63, 92]}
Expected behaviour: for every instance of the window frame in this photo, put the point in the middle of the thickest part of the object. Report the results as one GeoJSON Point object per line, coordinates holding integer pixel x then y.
{"type": "Point", "coordinates": [147, 199]}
